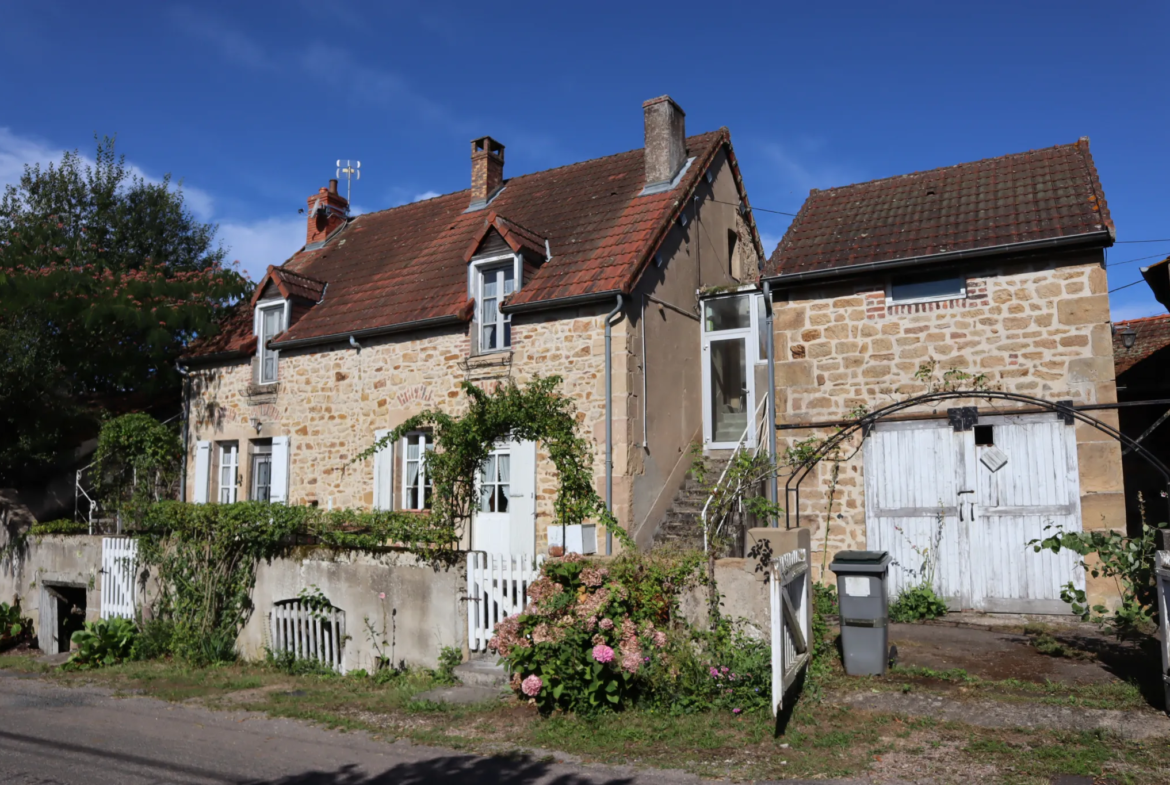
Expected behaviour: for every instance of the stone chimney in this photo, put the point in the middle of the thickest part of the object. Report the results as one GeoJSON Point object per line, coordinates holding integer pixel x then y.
{"type": "Point", "coordinates": [666, 139]}
{"type": "Point", "coordinates": [487, 169]}
{"type": "Point", "coordinates": [327, 211]}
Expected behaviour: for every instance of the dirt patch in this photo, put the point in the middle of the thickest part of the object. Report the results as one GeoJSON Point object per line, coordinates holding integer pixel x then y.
{"type": "Point", "coordinates": [243, 697]}
{"type": "Point", "coordinates": [998, 655]}
{"type": "Point", "coordinates": [923, 757]}
{"type": "Point", "coordinates": [995, 714]}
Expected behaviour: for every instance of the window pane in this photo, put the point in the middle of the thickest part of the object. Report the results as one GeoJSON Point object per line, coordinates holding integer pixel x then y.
{"type": "Point", "coordinates": [729, 390]}
{"type": "Point", "coordinates": [489, 285]}
{"type": "Point", "coordinates": [489, 336]}
{"type": "Point", "coordinates": [491, 310]}
{"type": "Point", "coordinates": [727, 313]}
{"type": "Point", "coordinates": [927, 288]}
{"type": "Point", "coordinates": [509, 282]}
{"type": "Point", "coordinates": [762, 328]}
{"type": "Point", "coordinates": [504, 461]}
{"type": "Point", "coordinates": [503, 505]}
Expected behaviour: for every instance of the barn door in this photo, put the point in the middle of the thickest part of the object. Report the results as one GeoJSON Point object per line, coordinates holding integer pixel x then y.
{"type": "Point", "coordinates": [915, 478]}
{"type": "Point", "coordinates": [1026, 478]}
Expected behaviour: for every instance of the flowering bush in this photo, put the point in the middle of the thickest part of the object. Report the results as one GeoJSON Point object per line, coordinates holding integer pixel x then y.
{"type": "Point", "coordinates": [595, 638]}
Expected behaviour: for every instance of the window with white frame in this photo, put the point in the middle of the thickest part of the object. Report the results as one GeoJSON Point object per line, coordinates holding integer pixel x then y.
{"type": "Point", "coordinates": [494, 481]}
{"type": "Point", "coordinates": [416, 485]}
{"type": "Point", "coordinates": [919, 289]}
{"type": "Point", "coordinates": [492, 285]}
{"type": "Point", "coordinates": [270, 323]}
{"type": "Point", "coordinates": [262, 471]}
{"type": "Point", "coordinates": [229, 461]}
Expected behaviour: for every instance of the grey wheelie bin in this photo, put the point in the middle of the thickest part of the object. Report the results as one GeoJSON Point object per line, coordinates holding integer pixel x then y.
{"type": "Point", "coordinates": [861, 592]}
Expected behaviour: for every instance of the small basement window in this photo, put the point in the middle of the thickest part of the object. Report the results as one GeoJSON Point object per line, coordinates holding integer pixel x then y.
{"type": "Point", "coordinates": [918, 290]}
{"type": "Point", "coordinates": [984, 436]}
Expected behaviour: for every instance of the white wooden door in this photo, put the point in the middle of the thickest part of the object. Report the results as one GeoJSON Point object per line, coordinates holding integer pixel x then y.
{"type": "Point", "coordinates": [992, 489]}
{"type": "Point", "coordinates": [506, 520]}
{"type": "Point", "coordinates": [913, 475]}
{"type": "Point", "coordinates": [1037, 485]}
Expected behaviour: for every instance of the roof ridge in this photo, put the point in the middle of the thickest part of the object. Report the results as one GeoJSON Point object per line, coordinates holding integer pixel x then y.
{"type": "Point", "coordinates": [1154, 317]}
{"type": "Point", "coordinates": [920, 172]}
{"type": "Point", "coordinates": [530, 174]}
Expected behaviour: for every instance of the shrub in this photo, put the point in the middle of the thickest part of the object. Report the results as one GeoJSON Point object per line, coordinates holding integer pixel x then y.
{"type": "Point", "coordinates": [155, 639]}
{"type": "Point", "coordinates": [101, 643]}
{"type": "Point", "coordinates": [449, 658]}
{"type": "Point", "coordinates": [597, 638]}
{"type": "Point", "coordinates": [13, 626]}
{"type": "Point", "coordinates": [60, 526]}
{"type": "Point", "coordinates": [917, 603]}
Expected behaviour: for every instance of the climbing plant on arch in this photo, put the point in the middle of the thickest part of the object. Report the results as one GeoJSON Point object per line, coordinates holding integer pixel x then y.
{"type": "Point", "coordinates": [539, 412]}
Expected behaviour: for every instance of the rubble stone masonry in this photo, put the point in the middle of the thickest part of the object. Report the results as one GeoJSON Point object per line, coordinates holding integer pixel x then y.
{"type": "Point", "coordinates": [330, 401]}
{"type": "Point", "coordinates": [1039, 327]}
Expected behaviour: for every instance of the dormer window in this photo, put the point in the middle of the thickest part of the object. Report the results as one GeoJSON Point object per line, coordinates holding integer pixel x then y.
{"type": "Point", "coordinates": [270, 321]}
{"type": "Point", "coordinates": [492, 280]}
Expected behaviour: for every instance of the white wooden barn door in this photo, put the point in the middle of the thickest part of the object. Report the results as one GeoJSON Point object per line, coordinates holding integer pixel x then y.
{"type": "Point", "coordinates": [913, 474]}
{"type": "Point", "coordinates": [996, 488]}
{"type": "Point", "coordinates": [1035, 485]}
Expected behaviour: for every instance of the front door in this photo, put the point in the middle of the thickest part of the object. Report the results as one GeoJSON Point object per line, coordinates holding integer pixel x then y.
{"type": "Point", "coordinates": [730, 354]}
{"type": "Point", "coordinates": [505, 521]}
{"type": "Point", "coordinates": [960, 507]}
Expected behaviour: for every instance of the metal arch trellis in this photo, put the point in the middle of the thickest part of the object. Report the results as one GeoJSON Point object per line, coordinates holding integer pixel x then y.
{"type": "Point", "coordinates": [867, 421]}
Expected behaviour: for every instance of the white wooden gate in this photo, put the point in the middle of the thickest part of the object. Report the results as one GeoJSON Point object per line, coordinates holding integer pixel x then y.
{"type": "Point", "coordinates": [308, 633]}
{"type": "Point", "coordinates": [1162, 572]}
{"type": "Point", "coordinates": [791, 604]}
{"type": "Point", "coordinates": [119, 577]}
{"type": "Point", "coordinates": [497, 586]}
{"type": "Point", "coordinates": [993, 488]}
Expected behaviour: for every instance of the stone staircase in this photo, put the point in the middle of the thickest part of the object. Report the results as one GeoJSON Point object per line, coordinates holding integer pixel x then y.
{"type": "Point", "coordinates": [682, 527]}
{"type": "Point", "coordinates": [481, 680]}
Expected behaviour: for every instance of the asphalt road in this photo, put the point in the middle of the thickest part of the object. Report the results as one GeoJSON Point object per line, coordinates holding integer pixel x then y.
{"type": "Point", "coordinates": [83, 736]}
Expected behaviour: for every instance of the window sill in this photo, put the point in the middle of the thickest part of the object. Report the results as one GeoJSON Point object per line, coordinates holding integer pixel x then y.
{"type": "Point", "coordinates": [263, 390]}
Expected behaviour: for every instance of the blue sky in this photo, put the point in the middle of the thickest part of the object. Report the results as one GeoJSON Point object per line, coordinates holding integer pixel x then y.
{"type": "Point", "coordinates": [252, 103]}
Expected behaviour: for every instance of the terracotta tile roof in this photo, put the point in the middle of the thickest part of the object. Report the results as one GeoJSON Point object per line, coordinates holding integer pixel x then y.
{"type": "Point", "coordinates": [1032, 196]}
{"type": "Point", "coordinates": [408, 264]}
{"type": "Point", "coordinates": [1153, 334]}
{"type": "Point", "coordinates": [291, 284]}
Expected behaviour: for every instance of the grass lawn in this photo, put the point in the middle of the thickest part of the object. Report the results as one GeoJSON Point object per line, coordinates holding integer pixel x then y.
{"type": "Point", "coordinates": [821, 739]}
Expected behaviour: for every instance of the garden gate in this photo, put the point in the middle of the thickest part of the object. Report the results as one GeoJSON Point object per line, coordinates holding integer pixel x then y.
{"type": "Point", "coordinates": [1162, 570]}
{"type": "Point", "coordinates": [497, 586]}
{"type": "Point", "coordinates": [790, 587]}
{"type": "Point", "coordinates": [119, 577]}
{"type": "Point", "coordinates": [308, 633]}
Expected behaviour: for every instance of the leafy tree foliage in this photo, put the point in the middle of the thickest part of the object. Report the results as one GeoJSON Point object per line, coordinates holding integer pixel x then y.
{"type": "Point", "coordinates": [104, 279]}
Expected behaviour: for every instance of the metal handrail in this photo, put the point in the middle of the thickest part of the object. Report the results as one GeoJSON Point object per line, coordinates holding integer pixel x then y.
{"type": "Point", "coordinates": [738, 447]}
{"type": "Point", "coordinates": [78, 492]}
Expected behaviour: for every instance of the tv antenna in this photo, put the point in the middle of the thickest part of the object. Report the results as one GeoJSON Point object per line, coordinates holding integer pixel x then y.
{"type": "Point", "coordinates": [352, 171]}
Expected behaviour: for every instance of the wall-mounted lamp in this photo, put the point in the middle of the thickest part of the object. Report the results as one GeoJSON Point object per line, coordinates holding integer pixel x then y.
{"type": "Point", "coordinates": [257, 424]}
{"type": "Point", "coordinates": [1128, 336]}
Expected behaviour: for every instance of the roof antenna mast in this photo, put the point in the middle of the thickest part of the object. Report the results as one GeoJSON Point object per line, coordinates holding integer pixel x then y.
{"type": "Point", "coordinates": [352, 171]}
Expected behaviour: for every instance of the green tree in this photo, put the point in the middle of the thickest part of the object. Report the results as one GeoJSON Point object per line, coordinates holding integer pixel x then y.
{"type": "Point", "coordinates": [105, 277]}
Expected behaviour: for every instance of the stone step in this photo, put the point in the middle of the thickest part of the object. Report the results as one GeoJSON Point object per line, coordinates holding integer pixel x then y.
{"type": "Point", "coordinates": [482, 670]}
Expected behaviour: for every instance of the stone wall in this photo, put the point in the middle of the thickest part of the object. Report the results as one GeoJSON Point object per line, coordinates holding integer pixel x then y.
{"type": "Point", "coordinates": [55, 559]}
{"type": "Point", "coordinates": [330, 401]}
{"type": "Point", "coordinates": [1038, 326]}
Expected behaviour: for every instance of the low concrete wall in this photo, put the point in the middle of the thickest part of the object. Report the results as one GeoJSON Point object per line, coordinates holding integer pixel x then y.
{"type": "Point", "coordinates": [743, 596]}
{"type": "Point", "coordinates": [415, 608]}
{"type": "Point", "coordinates": [67, 560]}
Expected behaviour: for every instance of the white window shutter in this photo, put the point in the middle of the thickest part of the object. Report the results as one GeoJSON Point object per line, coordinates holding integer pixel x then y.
{"type": "Point", "coordinates": [202, 471]}
{"type": "Point", "coordinates": [279, 490]}
{"type": "Point", "coordinates": [383, 474]}
{"type": "Point", "coordinates": [522, 498]}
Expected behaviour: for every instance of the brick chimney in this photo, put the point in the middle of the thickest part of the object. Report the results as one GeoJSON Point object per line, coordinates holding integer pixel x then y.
{"type": "Point", "coordinates": [487, 169]}
{"type": "Point", "coordinates": [666, 135]}
{"type": "Point", "coordinates": [327, 211]}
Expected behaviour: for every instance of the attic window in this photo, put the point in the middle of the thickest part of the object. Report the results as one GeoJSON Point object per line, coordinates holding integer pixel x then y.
{"type": "Point", "coordinates": [926, 289]}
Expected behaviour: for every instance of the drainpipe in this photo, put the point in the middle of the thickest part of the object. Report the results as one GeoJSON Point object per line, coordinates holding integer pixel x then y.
{"type": "Point", "coordinates": [186, 414]}
{"type": "Point", "coordinates": [769, 344]}
{"type": "Point", "coordinates": [609, 422]}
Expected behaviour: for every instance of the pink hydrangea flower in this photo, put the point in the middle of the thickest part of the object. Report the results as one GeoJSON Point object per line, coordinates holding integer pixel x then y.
{"type": "Point", "coordinates": [659, 639]}
{"type": "Point", "coordinates": [531, 686]}
{"type": "Point", "coordinates": [631, 661]}
{"type": "Point", "coordinates": [602, 653]}
{"type": "Point", "coordinates": [606, 624]}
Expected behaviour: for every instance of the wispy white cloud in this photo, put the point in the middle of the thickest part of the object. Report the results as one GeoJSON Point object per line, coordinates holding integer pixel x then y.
{"type": "Point", "coordinates": [255, 244]}
{"type": "Point", "coordinates": [231, 43]}
{"type": "Point", "coordinates": [804, 170]}
{"type": "Point", "coordinates": [425, 195]}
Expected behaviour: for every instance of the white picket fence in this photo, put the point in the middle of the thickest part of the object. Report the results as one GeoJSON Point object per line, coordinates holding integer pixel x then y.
{"type": "Point", "coordinates": [497, 586]}
{"type": "Point", "coordinates": [308, 633]}
{"type": "Point", "coordinates": [119, 577]}
{"type": "Point", "coordinates": [791, 621]}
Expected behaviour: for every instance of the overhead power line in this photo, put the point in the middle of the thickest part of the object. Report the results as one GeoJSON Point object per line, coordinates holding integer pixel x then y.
{"type": "Point", "coordinates": [1119, 288]}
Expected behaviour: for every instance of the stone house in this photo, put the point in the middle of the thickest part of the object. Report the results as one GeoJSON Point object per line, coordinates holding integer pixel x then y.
{"type": "Point", "coordinates": [590, 271]}
{"type": "Point", "coordinates": [1141, 354]}
{"type": "Point", "coordinates": [890, 289]}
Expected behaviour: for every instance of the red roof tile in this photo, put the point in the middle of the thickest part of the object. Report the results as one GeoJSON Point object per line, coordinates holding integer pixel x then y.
{"type": "Point", "coordinates": [291, 284]}
{"type": "Point", "coordinates": [1152, 335]}
{"type": "Point", "coordinates": [1037, 195]}
{"type": "Point", "coordinates": [409, 264]}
